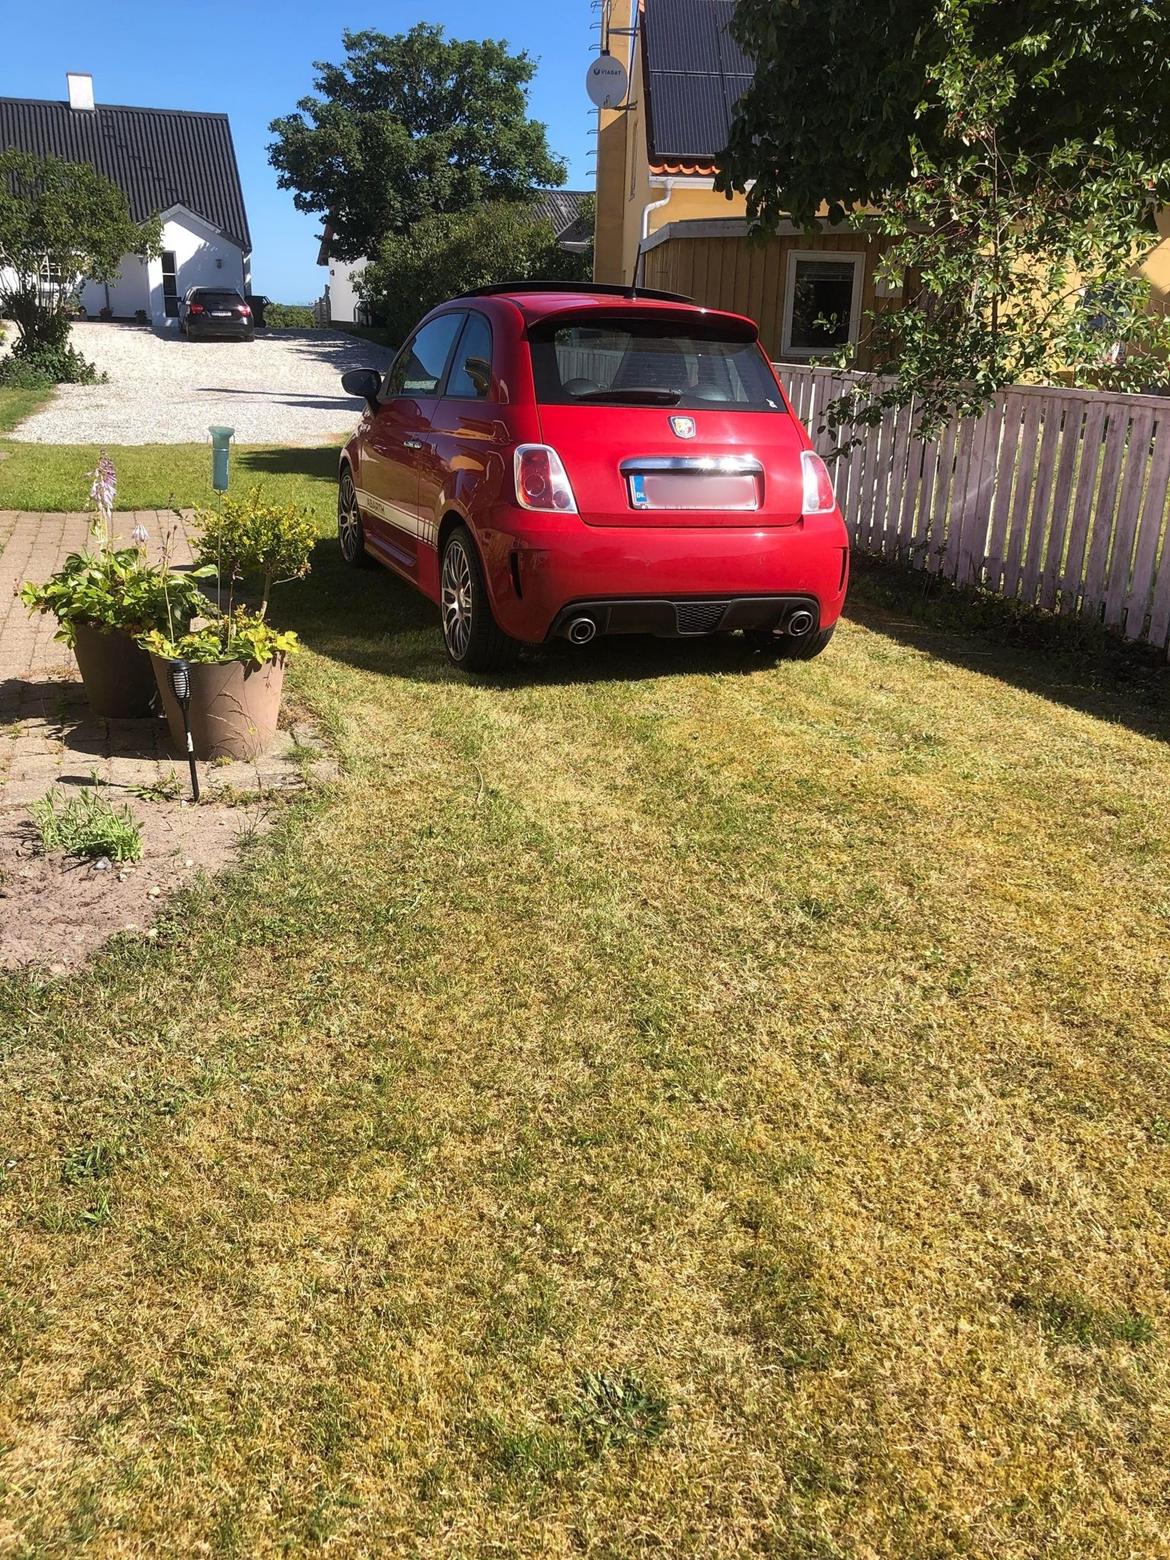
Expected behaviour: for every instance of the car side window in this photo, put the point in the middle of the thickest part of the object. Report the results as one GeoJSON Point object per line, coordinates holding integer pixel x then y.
{"type": "Point", "coordinates": [471, 369]}
{"type": "Point", "coordinates": [419, 367]}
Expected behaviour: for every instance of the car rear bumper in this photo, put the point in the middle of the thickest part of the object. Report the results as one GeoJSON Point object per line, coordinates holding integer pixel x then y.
{"type": "Point", "coordinates": [544, 570]}
{"type": "Point", "coordinates": [685, 617]}
{"type": "Point", "coordinates": [226, 329]}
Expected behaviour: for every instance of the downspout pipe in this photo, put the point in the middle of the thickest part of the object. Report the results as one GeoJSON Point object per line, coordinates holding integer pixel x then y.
{"type": "Point", "coordinates": [654, 205]}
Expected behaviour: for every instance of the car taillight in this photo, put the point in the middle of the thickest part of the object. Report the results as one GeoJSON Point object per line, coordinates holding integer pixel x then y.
{"type": "Point", "coordinates": [541, 482]}
{"type": "Point", "coordinates": [244, 309]}
{"type": "Point", "coordinates": [195, 308]}
{"type": "Point", "coordinates": [818, 497]}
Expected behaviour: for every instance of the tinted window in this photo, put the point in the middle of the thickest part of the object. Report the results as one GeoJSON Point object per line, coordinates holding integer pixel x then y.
{"type": "Point", "coordinates": [471, 371]}
{"type": "Point", "coordinates": [419, 367]}
{"type": "Point", "coordinates": [216, 300]}
{"type": "Point", "coordinates": [649, 363]}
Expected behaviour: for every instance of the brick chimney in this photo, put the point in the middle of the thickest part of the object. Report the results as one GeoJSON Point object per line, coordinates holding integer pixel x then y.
{"type": "Point", "coordinates": [80, 86]}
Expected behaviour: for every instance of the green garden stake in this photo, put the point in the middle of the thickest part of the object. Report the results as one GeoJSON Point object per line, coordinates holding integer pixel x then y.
{"type": "Point", "coordinates": [221, 438]}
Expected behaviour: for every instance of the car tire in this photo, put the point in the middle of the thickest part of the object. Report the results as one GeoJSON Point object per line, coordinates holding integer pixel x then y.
{"type": "Point", "coordinates": [789, 647]}
{"type": "Point", "coordinates": [473, 640]}
{"type": "Point", "coordinates": [251, 336]}
{"type": "Point", "coordinates": [351, 533]}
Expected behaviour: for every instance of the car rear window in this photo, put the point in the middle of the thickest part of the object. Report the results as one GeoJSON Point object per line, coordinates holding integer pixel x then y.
{"type": "Point", "coordinates": [624, 362]}
{"type": "Point", "coordinates": [217, 300]}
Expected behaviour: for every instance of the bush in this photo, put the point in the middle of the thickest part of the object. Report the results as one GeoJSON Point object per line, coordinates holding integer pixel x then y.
{"type": "Point", "coordinates": [17, 374]}
{"type": "Point", "coordinates": [289, 316]}
{"type": "Point", "coordinates": [245, 537]}
{"type": "Point", "coordinates": [57, 363]}
{"type": "Point", "coordinates": [445, 255]}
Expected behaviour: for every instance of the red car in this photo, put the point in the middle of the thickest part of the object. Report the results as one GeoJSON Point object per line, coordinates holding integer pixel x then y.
{"type": "Point", "coordinates": [552, 460]}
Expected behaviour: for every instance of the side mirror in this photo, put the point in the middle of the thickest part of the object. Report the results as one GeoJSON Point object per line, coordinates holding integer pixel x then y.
{"type": "Point", "coordinates": [363, 383]}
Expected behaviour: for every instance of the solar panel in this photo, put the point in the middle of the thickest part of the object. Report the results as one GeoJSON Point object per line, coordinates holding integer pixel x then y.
{"type": "Point", "coordinates": [696, 73]}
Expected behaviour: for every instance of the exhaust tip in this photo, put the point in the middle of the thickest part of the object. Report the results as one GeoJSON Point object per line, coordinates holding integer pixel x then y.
{"type": "Point", "coordinates": [581, 630]}
{"type": "Point", "coordinates": [800, 622]}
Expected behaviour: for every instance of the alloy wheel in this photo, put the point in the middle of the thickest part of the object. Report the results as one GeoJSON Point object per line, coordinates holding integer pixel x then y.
{"type": "Point", "coordinates": [456, 587]}
{"type": "Point", "coordinates": [349, 525]}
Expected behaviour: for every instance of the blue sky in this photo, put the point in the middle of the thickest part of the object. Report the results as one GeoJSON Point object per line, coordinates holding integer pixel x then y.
{"type": "Point", "coordinates": [252, 59]}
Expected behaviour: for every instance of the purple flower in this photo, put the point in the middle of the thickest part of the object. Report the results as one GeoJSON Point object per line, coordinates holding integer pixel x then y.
{"type": "Point", "coordinates": [139, 535]}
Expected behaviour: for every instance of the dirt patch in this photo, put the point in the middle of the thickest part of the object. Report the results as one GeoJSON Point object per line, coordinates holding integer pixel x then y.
{"type": "Point", "coordinates": [55, 911]}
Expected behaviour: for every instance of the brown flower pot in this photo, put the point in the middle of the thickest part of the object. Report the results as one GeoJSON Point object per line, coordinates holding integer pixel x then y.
{"type": "Point", "coordinates": [233, 709]}
{"type": "Point", "coordinates": [119, 682]}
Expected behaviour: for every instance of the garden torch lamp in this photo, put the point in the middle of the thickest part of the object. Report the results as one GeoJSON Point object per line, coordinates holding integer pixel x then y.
{"type": "Point", "coordinates": [181, 688]}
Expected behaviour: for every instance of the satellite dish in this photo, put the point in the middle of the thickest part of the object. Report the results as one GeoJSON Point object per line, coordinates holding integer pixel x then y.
{"type": "Point", "coordinates": [606, 82]}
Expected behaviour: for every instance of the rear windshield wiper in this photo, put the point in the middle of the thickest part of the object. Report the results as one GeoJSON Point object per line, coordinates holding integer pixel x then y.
{"type": "Point", "coordinates": [633, 397]}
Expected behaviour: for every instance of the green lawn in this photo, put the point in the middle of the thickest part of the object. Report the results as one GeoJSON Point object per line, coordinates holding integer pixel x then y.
{"type": "Point", "coordinates": [18, 404]}
{"type": "Point", "coordinates": [158, 476]}
{"type": "Point", "coordinates": [651, 1105]}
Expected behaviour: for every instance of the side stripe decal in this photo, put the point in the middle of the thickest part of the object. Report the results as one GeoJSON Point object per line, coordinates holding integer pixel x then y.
{"type": "Point", "coordinates": [424, 530]}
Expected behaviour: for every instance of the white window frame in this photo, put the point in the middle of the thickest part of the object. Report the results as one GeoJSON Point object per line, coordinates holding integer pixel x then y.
{"type": "Point", "coordinates": [854, 257]}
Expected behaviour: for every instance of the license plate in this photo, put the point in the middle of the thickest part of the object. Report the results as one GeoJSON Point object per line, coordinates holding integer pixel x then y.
{"type": "Point", "coordinates": [221, 314]}
{"type": "Point", "coordinates": [693, 490]}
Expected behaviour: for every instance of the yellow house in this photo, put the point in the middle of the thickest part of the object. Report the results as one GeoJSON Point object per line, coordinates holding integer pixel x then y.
{"type": "Point", "coordinates": [660, 220]}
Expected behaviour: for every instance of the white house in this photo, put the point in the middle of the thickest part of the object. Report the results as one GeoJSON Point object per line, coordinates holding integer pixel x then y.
{"type": "Point", "coordinates": [176, 164]}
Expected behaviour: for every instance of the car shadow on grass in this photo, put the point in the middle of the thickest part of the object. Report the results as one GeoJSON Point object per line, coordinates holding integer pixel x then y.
{"type": "Point", "coordinates": [372, 620]}
{"type": "Point", "coordinates": [376, 622]}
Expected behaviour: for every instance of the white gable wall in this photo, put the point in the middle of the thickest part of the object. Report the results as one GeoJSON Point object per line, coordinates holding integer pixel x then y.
{"type": "Point", "coordinates": [344, 303]}
{"type": "Point", "coordinates": [203, 258]}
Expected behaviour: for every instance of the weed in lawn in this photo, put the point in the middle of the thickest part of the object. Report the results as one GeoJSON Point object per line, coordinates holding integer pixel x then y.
{"type": "Point", "coordinates": [615, 1408]}
{"type": "Point", "coordinates": [1068, 1319]}
{"type": "Point", "coordinates": [89, 1162]}
{"type": "Point", "coordinates": [167, 788]}
{"type": "Point", "coordinates": [87, 825]}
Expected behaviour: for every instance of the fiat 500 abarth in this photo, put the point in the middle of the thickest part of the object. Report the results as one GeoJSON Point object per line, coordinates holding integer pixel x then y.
{"type": "Point", "coordinates": [545, 461]}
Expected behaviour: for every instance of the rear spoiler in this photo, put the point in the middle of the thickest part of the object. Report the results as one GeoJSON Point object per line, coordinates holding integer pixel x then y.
{"type": "Point", "coordinates": [735, 326]}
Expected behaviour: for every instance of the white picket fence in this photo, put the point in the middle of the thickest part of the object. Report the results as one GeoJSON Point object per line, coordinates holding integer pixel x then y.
{"type": "Point", "coordinates": [1057, 498]}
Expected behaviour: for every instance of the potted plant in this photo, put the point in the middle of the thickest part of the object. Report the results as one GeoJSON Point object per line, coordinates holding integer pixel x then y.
{"type": "Point", "coordinates": [237, 661]}
{"type": "Point", "coordinates": [105, 598]}
{"type": "Point", "coordinates": [236, 674]}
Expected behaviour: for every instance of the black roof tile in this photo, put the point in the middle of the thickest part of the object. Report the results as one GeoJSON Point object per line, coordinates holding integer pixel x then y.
{"type": "Point", "coordinates": [158, 157]}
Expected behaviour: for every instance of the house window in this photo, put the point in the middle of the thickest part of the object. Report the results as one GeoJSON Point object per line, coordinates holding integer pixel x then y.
{"type": "Point", "coordinates": [822, 302]}
{"type": "Point", "coordinates": [170, 285]}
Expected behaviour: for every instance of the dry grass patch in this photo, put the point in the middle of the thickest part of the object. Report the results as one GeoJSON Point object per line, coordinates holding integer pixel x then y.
{"type": "Point", "coordinates": [652, 1106]}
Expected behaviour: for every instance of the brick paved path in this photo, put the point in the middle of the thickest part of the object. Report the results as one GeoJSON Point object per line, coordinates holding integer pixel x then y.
{"type": "Point", "coordinates": [47, 732]}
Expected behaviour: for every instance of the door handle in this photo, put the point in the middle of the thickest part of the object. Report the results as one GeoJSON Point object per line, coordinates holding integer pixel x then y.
{"type": "Point", "coordinates": [412, 444]}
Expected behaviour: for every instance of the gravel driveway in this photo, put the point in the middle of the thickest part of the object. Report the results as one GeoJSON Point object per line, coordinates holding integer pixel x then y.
{"type": "Point", "coordinates": [282, 388]}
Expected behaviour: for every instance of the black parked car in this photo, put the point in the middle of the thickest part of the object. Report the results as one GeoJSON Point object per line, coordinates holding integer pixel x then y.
{"type": "Point", "coordinates": [215, 311]}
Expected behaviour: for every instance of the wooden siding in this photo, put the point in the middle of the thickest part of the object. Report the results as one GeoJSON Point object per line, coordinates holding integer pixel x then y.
{"type": "Point", "coordinates": [1055, 498]}
{"type": "Point", "coordinates": [748, 277]}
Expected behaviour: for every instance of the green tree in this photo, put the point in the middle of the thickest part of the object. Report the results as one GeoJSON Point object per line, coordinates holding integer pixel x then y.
{"type": "Point", "coordinates": [407, 126]}
{"type": "Point", "coordinates": [1016, 152]}
{"type": "Point", "coordinates": [60, 222]}
{"type": "Point", "coordinates": [448, 254]}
